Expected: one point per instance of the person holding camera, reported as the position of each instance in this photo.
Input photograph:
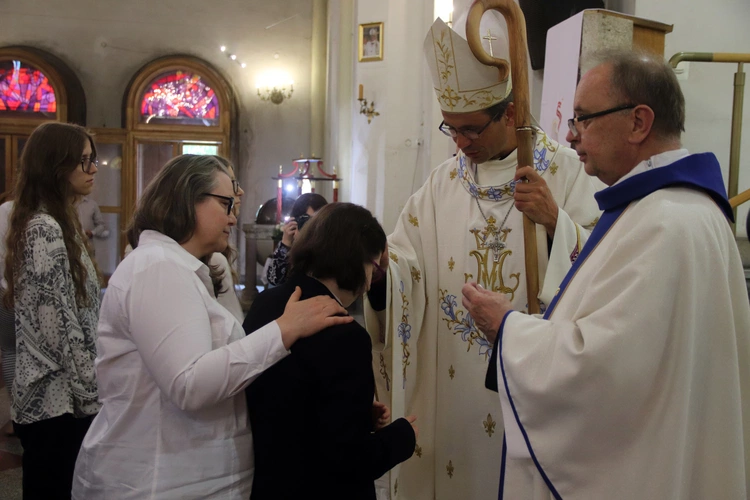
(304, 207)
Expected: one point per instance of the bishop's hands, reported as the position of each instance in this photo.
(487, 308)
(535, 200)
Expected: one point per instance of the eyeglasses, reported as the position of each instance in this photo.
(378, 273)
(472, 135)
(86, 164)
(578, 119)
(228, 199)
(235, 186)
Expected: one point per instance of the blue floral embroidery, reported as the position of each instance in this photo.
(498, 193)
(495, 194)
(463, 324)
(541, 163)
(404, 332)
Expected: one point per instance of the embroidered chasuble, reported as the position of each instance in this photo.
(430, 360)
(637, 384)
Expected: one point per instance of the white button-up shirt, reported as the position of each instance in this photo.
(172, 364)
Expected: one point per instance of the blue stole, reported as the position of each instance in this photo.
(701, 172)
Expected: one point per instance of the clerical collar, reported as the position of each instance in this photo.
(656, 161)
(495, 172)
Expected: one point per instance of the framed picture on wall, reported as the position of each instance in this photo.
(370, 42)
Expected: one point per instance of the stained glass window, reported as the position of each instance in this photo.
(181, 98)
(24, 89)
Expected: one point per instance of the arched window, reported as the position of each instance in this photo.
(181, 98)
(174, 105)
(35, 86)
(24, 90)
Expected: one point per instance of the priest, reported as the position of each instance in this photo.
(636, 384)
(465, 224)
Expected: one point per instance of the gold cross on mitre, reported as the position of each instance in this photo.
(489, 39)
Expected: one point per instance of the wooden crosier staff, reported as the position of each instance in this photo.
(524, 132)
(741, 198)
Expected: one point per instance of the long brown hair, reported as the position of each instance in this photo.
(51, 153)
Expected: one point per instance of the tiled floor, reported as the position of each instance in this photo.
(10, 454)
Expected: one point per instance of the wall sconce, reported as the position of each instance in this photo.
(363, 108)
(274, 86)
(444, 10)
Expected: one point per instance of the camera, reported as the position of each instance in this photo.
(301, 220)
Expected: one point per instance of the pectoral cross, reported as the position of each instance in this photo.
(489, 39)
(496, 246)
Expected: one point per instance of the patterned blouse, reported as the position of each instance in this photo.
(55, 338)
(276, 274)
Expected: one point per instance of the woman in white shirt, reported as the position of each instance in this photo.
(172, 361)
(53, 288)
(228, 297)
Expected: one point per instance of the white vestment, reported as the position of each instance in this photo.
(638, 385)
(372, 48)
(430, 359)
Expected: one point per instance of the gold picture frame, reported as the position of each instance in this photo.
(370, 42)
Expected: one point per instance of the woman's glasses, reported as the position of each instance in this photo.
(228, 199)
(87, 162)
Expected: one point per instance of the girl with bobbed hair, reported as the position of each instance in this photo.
(172, 361)
(53, 288)
(313, 412)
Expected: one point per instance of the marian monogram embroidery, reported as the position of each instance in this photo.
(490, 276)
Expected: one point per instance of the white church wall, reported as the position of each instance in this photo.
(388, 155)
(106, 42)
(718, 26)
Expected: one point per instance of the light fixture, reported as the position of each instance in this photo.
(364, 109)
(223, 48)
(274, 86)
(243, 65)
(444, 10)
(233, 57)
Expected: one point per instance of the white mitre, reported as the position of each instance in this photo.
(462, 83)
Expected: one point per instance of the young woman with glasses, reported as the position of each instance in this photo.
(53, 288)
(173, 363)
(312, 414)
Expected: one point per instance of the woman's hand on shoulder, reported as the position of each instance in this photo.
(307, 317)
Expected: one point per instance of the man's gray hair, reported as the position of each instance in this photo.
(641, 78)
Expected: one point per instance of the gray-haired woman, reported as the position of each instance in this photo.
(172, 361)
